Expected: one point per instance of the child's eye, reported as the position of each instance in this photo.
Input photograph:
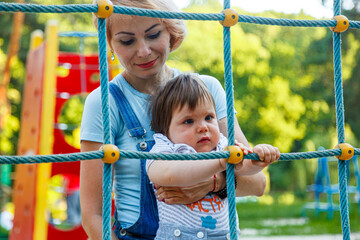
(208, 118)
(127, 43)
(188, 121)
(154, 36)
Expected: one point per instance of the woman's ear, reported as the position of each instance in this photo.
(110, 46)
(108, 38)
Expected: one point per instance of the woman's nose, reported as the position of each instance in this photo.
(143, 50)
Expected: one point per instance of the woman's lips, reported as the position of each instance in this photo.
(148, 64)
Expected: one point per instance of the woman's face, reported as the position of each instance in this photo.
(142, 44)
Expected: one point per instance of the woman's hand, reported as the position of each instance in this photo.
(243, 147)
(187, 195)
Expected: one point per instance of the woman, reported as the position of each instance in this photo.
(142, 45)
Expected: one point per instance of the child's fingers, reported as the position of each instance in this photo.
(273, 155)
(277, 153)
(260, 152)
(267, 153)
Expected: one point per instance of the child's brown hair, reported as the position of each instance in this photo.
(184, 89)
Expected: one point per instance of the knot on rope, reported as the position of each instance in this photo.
(105, 8)
(236, 154)
(231, 17)
(342, 24)
(347, 151)
(111, 153)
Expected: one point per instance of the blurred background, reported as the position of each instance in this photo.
(284, 96)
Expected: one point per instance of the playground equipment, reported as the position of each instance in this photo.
(323, 185)
(39, 121)
(104, 9)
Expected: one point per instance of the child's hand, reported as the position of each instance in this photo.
(267, 153)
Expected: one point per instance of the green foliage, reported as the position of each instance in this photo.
(12, 126)
(283, 79)
(71, 116)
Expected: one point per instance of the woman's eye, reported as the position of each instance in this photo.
(127, 43)
(154, 36)
(188, 121)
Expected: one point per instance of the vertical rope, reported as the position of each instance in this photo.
(104, 80)
(339, 104)
(230, 125)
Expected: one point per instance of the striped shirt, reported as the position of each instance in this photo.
(210, 213)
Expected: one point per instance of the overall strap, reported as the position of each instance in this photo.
(147, 224)
(131, 121)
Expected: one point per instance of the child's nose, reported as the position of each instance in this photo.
(203, 127)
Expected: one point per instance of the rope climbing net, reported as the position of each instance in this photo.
(228, 17)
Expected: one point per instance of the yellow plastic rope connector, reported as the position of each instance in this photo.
(236, 154)
(342, 24)
(347, 151)
(105, 8)
(111, 153)
(231, 17)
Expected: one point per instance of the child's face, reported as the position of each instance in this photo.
(197, 128)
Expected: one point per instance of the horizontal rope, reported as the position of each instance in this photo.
(78, 34)
(160, 156)
(168, 14)
(71, 157)
(37, 8)
(225, 154)
(91, 8)
(286, 22)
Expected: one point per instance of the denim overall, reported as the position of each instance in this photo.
(148, 221)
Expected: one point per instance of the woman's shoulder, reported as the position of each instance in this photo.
(207, 78)
(95, 95)
(210, 81)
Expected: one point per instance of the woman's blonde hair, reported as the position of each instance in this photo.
(175, 27)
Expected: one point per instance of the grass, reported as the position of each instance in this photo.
(3, 233)
(260, 219)
(284, 216)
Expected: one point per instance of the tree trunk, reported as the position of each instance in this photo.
(5, 110)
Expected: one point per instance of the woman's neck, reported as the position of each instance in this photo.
(151, 84)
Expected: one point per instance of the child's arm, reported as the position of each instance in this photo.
(184, 173)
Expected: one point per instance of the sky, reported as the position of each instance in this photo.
(311, 7)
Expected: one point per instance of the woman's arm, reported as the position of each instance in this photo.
(187, 195)
(91, 172)
(184, 173)
(251, 185)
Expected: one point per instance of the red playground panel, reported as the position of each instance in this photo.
(78, 74)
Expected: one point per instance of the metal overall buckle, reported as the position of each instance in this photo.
(142, 143)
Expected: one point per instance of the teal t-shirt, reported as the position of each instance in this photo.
(126, 184)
